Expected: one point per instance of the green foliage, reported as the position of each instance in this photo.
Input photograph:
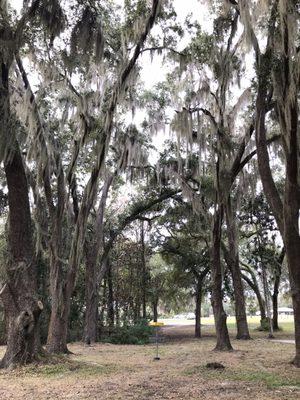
(138, 334)
(201, 48)
(263, 244)
(264, 325)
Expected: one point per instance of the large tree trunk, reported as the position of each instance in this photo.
(60, 308)
(292, 241)
(58, 326)
(293, 258)
(291, 205)
(223, 341)
(93, 277)
(90, 330)
(19, 294)
(286, 213)
(239, 296)
(60, 295)
(198, 296)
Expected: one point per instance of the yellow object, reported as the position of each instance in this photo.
(156, 324)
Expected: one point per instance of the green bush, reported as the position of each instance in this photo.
(264, 325)
(136, 334)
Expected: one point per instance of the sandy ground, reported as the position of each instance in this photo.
(257, 369)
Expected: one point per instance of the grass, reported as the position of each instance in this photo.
(286, 323)
(257, 369)
(269, 379)
(63, 367)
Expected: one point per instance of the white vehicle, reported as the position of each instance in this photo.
(190, 315)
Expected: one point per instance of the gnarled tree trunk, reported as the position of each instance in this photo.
(19, 294)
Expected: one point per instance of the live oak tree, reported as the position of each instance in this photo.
(185, 246)
(55, 66)
(207, 121)
(262, 257)
(58, 324)
(19, 293)
(277, 77)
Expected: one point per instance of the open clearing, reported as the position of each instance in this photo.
(257, 369)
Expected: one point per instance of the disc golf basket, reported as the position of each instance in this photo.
(157, 338)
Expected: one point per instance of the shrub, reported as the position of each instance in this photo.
(135, 334)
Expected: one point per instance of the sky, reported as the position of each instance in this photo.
(155, 72)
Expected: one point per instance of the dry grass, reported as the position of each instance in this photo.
(257, 369)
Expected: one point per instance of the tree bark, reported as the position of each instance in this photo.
(261, 304)
(239, 295)
(275, 303)
(90, 331)
(155, 310)
(198, 309)
(286, 213)
(19, 294)
(110, 298)
(276, 290)
(60, 293)
(144, 272)
(267, 299)
(93, 279)
(58, 326)
(292, 246)
(223, 341)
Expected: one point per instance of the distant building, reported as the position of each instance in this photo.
(285, 311)
(281, 311)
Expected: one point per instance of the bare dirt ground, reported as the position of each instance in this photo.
(258, 370)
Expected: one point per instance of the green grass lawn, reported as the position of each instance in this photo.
(285, 323)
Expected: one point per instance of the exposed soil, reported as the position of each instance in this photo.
(257, 369)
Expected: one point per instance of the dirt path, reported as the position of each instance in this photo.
(257, 370)
(285, 341)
